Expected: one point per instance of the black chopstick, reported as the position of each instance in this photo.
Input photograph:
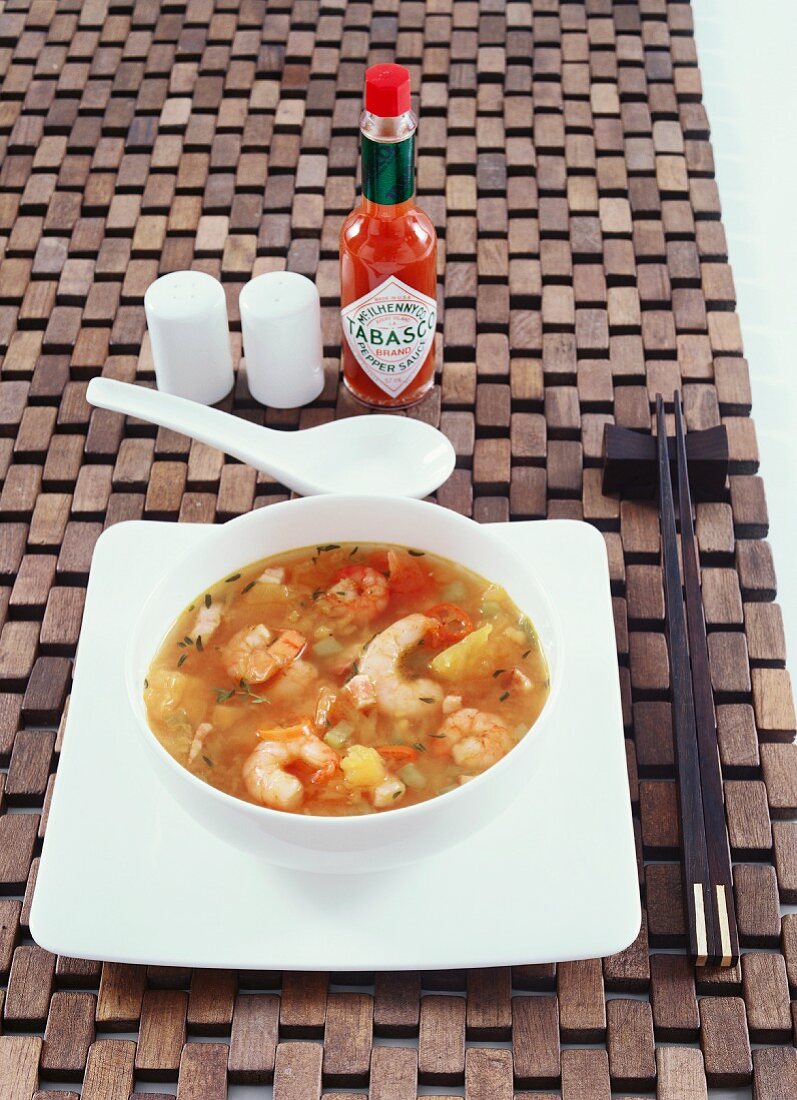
(725, 950)
(695, 869)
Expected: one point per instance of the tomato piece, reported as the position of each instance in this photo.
(407, 575)
(453, 623)
(397, 755)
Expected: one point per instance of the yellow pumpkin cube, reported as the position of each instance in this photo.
(363, 767)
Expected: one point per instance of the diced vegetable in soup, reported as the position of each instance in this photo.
(346, 679)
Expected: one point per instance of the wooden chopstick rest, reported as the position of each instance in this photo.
(630, 463)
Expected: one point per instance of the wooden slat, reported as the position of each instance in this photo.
(162, 1033)
(582, 1011)
(681, 1074)
(766, 995)
(394, 1073)
(632, 1060)
(19, 1065)
(441, 1041)
(397, 1003)
(29, 987)
(535, 1034)
(347, 1038)
(672, 997)
(488, 1074)
(210, 1002)
(68, 1035)
(585, 1075)
(774, 1073)
(120, 997)
(253, 1043)
(724, 1041)
(489, 1014)
(109, 1070)
(203, 1072)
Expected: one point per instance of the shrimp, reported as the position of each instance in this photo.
(207, 620)
(245, 656)
(515, 678)
(388, 792)
(396, 695)
(203, 731)
(323, 708)
(265, 774)
(296, 683)
(361, 691)
(275, 574)
(451, 703)
(475, 739)
(358, 593)
(251, 654)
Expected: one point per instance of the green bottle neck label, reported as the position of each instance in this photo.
(388, 170)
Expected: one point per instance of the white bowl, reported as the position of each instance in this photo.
(374, 841)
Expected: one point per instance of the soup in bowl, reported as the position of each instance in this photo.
(345, 683)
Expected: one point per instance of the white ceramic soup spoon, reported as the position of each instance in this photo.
(388, 455)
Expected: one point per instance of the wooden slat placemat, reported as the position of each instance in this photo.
(564, 156)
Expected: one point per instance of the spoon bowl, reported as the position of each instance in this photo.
(388, 455)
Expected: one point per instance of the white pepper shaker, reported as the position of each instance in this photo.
(281, 325)
(190, 336)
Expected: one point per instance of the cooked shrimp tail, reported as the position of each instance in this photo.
(358, 593)
(265, 771)
(398, 696)
(475, 739)
(253, 656)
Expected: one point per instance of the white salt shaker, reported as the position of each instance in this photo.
(190, 337)
(281, 325)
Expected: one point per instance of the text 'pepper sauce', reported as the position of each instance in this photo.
(388, 261)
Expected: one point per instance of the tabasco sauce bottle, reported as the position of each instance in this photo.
(388, 257)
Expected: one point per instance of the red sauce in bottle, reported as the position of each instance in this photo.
(388, 257)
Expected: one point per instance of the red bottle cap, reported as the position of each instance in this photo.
(387, 90)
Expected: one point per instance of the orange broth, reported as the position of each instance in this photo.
(325, 610)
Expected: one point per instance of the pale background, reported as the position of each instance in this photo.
(745, 52)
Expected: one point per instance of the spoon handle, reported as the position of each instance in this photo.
(231, 434)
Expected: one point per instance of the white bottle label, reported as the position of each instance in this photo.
(390, 331)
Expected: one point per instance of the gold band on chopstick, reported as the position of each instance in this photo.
(701, 931)
(725, 931)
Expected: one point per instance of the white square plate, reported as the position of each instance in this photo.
(127, 875)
